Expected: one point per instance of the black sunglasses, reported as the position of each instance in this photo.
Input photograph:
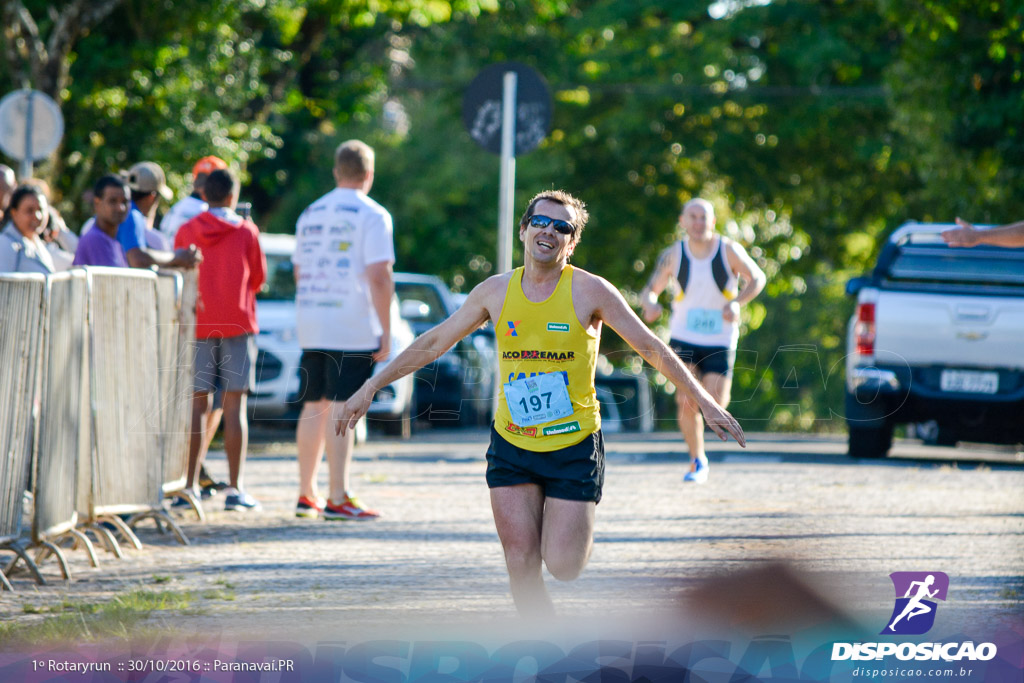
(539, 221)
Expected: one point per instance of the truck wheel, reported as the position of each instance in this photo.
(870, 442)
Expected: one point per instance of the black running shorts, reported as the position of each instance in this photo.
(333, 375)
(717, 359)
(572, 473)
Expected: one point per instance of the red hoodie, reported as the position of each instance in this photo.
(232, 271)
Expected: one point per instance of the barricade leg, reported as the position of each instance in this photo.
(123, 529)
(5, 583)
(82, 539)
(193, 502)
(20, 554)
(106, 538)
(161, 517)
(46, 548)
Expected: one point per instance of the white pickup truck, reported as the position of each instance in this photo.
(937, 338)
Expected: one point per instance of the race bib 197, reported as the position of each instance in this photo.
(704, 320)
(538, 399)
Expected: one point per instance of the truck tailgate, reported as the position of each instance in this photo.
(968, 331)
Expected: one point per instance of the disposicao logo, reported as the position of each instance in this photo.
(916, 593)
(912, 615)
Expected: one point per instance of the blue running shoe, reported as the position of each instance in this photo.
(699, 473)
(240, 500)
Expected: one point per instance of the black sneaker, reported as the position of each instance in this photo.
(208, 487)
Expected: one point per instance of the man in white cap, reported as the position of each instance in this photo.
(194, 204)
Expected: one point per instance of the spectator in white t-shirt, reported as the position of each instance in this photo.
(344, 285)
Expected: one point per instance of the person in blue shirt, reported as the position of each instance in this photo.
(147, 184)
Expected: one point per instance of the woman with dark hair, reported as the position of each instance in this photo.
(21, 248)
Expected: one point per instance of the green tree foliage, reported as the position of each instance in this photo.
(814, 127)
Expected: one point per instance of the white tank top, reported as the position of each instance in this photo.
(697, 309)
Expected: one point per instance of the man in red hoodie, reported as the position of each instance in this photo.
(233, 271)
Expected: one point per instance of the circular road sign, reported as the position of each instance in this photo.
(481, 107)
(31, 125)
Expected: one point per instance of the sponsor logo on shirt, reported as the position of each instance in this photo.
(342, 208)
(340, 246)
(565, 428)
(343, 263)
(521, 431)
(511, 331)
(323, 263)
(534, 354)
(342, 229)
(558, 327)
(310, 230)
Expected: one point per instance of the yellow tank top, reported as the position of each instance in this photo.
(546, 337)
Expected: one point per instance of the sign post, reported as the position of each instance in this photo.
(507, 111)
(31, 127)
(507, 193)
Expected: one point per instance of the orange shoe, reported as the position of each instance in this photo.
(351, 508)
(309, 508)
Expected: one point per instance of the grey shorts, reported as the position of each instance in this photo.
(228, 363)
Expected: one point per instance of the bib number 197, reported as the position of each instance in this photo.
(539, 399)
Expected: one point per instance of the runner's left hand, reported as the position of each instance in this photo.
(721, 422)
(348, 413)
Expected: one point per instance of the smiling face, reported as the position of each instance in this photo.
(28, 214)
(547, 245)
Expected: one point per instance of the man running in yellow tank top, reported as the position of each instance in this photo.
(545, 464)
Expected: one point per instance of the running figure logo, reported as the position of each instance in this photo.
(914, 612)
(511, 331)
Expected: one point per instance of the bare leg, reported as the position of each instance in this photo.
(719, 386)
(309, 437)
(518, 516)
(197, 440)
(236, 435)
(339, 457)
(212, 425)
(691, 422)
(567, 536)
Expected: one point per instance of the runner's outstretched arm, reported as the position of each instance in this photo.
(610, 307)
(425, 349)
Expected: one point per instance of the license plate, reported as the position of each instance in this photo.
(969, 382)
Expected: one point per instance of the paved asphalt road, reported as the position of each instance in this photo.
(841, 526)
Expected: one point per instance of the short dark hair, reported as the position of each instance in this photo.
(220, 186)
(19, 195)
(199, 182)
(565, 199)
(107, 181)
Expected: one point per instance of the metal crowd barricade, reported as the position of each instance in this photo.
(21, 308)
(127, 466)
(175, 332)
(64, 430)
